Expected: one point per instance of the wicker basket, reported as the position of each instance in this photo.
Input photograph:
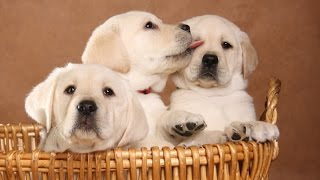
(245, 160)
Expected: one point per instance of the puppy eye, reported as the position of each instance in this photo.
(70, 90)
(150, 25)
(226, 45)
(108, 92)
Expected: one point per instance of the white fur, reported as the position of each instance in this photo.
(217, 108)
(222, 101)
(118, 121)
(145, 57)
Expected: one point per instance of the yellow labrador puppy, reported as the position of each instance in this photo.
(214, 85)
(86, 108)
(145, 51)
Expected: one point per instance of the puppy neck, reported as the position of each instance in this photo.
(139, 81)
(237, 83)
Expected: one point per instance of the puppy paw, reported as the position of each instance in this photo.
(253, 130)
(238, 131)
(262, 132)
(188, 126)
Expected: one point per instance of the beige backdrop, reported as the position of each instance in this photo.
(36, 36)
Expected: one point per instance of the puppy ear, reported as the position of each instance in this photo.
(39, 102)
(105, 47)
(137, 125)
(249, 55)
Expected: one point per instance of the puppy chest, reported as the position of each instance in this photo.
(214, 114)
(153, 108)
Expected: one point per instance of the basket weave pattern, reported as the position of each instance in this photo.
(19, 158)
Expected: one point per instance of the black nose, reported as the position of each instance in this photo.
(87, 107)
(209, 60)
(185, 27)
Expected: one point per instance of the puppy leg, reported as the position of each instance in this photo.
(205, 137)
(179, 125)
(253, 130)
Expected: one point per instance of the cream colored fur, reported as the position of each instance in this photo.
(145, 57)
(222, 101)
(119, 119)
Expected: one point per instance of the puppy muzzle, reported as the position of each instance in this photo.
(209, 66)
(86, 116)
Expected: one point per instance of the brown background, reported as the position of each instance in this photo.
(36, 36)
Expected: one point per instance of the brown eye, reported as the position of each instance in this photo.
(70, 90)
(150, 25)
(108, 92)
(226, 45)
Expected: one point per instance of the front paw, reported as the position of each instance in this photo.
(253, 130)
(238, 131)
(262, 132)
(189, 125)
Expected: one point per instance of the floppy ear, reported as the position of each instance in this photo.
(249, 55)
(137, 125)
(39, 102)
(105, 47)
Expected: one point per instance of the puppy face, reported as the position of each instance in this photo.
(89, 105)
(226, 51)
(84, 104)
(139, 41)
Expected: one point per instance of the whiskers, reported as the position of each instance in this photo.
(194, 71)
(211, 74)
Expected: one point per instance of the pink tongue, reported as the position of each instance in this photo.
(196, 44)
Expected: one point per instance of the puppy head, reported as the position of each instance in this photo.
(226, 52)
(89, 105)
(139, 41)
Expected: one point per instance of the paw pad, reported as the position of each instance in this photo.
(179, 127)
(191, 125)
(189, 128)
(236, 137)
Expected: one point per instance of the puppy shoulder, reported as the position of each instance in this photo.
(183, 99)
